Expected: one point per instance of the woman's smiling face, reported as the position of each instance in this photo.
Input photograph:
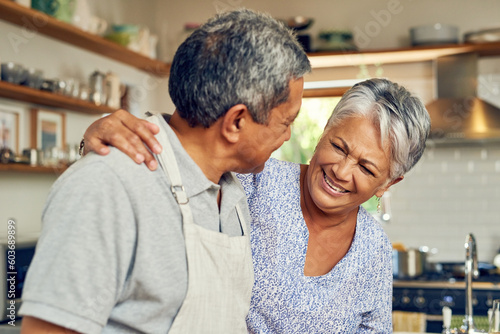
(350, 165)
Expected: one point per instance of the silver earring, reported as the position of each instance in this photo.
(378, 204)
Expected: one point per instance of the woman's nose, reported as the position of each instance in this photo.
(342, 169)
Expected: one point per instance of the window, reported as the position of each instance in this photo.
(307, 129)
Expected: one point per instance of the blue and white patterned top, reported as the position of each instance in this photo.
(354, 297)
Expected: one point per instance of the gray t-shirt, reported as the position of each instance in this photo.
(111, 256)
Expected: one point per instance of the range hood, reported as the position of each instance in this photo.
(458, 114)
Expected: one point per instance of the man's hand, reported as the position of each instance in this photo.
(127, 133)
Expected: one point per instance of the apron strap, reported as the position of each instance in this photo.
(168, 163)
(241, 218)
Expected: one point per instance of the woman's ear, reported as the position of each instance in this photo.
(382, 190)
(233, 122)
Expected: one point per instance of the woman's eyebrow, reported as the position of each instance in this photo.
(363, 161)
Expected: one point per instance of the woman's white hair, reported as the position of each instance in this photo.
(401, 117)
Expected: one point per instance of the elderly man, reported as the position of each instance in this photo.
(124, 249)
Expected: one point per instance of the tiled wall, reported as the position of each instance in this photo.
(452, 191)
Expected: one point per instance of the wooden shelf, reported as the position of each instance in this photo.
(26, 94)
(405, 55)
(23, 168)
(37, 22)
(325, 92)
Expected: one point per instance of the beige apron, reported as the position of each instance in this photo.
(220, 272)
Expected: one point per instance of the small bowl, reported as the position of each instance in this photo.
(13, 73)
(123, 34)
(434, 34)
(122, 38)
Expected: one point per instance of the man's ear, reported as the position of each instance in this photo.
(233, 122)
(381, 191)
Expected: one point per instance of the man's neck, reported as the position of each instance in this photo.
(201, 145)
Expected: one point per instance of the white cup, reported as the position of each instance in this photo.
(25, 3)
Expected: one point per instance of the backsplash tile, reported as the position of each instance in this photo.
(452, 191)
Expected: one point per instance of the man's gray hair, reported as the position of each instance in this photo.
(401, 117)
(236, 57)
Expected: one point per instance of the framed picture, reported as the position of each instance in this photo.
(48, 129)
(9, 128)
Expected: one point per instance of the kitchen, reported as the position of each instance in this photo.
(450, 193)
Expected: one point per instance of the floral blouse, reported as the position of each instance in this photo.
(354, 297)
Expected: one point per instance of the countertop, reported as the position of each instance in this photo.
(445, 285)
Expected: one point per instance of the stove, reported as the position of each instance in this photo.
(430, 293)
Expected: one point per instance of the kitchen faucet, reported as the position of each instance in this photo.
(471, 271)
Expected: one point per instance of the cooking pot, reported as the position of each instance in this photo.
(409, 263)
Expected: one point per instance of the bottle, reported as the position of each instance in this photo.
(112, 90)
(446, 320)
(97, 93)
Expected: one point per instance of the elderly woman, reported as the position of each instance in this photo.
(322, 263)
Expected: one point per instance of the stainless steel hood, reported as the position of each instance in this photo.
(458, 114)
